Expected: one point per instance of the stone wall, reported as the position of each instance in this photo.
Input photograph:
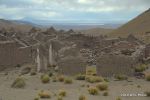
(12, 55)
(72, 66)
(109, 65)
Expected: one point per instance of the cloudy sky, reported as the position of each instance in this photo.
(83, 11)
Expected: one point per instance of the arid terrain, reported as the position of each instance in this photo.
(40, 63)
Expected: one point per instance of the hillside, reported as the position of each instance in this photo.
(17, 25)
(138, 26)
(96, 31)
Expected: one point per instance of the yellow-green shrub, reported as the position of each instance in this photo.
(68, 80)
(45, 78)
(93, 90)
(102, 86)
(94, 79)
(80, 77)
(82, 97)
(18, 83)
(44, 94)
(62, 93)
(148, 77)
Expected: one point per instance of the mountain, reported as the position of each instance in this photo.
(96, 31)
(138, 26)
(22, 26)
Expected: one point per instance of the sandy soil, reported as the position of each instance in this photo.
(34, 85)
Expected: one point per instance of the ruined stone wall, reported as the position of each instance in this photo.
(12, 55)
(72, 66)
(109, 65)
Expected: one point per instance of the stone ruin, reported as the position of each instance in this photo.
(71, 52)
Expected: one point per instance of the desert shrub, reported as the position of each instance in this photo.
(102, 86)
(147, 93)
(94, 79)
(91, 71)
(106, 80)
(44, 94)
(140, 68)
(50, 74)
(61, 78)
(105, 93)
(45, 78)
(18, 83)
(82, 97)
(93, 90)
(36, 98)
(68, 80)
(59, 98)
(148, 77)
(80, 77)
(118, 98)
(121, 77)
(62, 93)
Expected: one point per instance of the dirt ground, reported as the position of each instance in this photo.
(74, 90)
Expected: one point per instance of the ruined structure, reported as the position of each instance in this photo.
(71, 52)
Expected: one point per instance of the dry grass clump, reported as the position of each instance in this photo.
(118, 98)
(80, 77)
(62, 93)
(147, 93)
(94, 79)
(44, 94)
(59, 98)
(36, 98)
(61, 78)
(18, 83)
(105, 93)
(93, 90)
(141, 68)
(121, 77)
(148, 77)
(45, 78)
(68, 80)
(82, 97)
(102, 86)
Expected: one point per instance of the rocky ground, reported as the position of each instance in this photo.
(74, 90)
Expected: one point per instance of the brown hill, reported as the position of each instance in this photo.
(138, 26)
(96, 31)
(16, 25)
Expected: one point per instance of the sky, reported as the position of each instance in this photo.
(73, 11)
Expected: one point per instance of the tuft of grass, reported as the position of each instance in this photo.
(94, 79)
(62, 93)
(105, 93)
(18, 83)
(44, 94)
(45, 78)
(91, 70)
(36, 98)
(68, 80)
(80, 77)
(82, 97)
(141, 68)
(61, 78)
(118, 98)
(148, 77)
(93, 90)
(147, 93)
(102, 86)
(59, 98)
(121, 77)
